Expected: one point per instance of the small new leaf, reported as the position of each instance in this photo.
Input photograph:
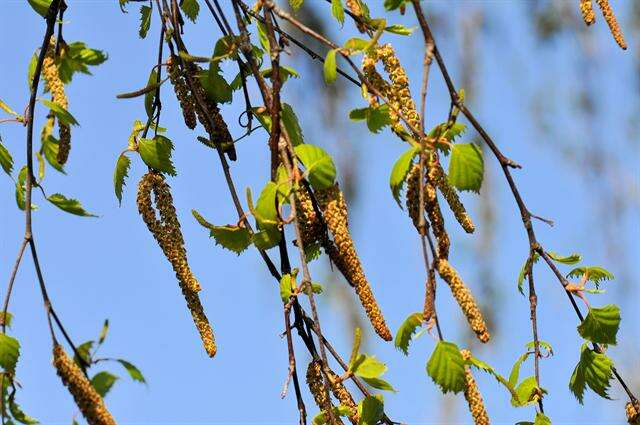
(366, 366)
(527, 392)
(379, 384)
(120, 174)
(133, 371)
(40, 6)
(291, 124)
(287, 285)
(70, 205)
(330, 66)
(601, 325)
(9, 352)
(594, 273)
(370, 410)
(318, 164)
(231, 237)
(523, 270)
(446, 367)
(61, 114)
(18, 414)
(406, 331)
(564, 259)
(337, 10)
(399, 172)
(102, 382)
(594, 370)
(145, 20)
(190, 8)
(156, 153)
(542, 419)
(466, 167)
(150, 95)
(6, 160)
(322, 418)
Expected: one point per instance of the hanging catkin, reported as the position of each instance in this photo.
(435, 217)
(429, 296)
(311, 228)
(87, 399)
(473, 396)
(438, 176)
(588, 15)
(355, 8)
(341, 393)
(332, 204)
(315, 382)
(375, 79)
(186, 100)
(167, 233)
(413, 195)
(465, 299)
(632, 410)
(610, 17)
(56, 87)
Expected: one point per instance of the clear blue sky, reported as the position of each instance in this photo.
(110, 267)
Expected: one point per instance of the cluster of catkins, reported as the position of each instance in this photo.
(56, 87)
(315, 381)
(188, 87)
(166, 231)
(472, 394)
(87, 399)
(589, 17)
(341, 250)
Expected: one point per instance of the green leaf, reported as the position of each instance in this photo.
(543, 344)
(594, 370)
(379, 383)
(523, 270)
(233, 238)
(318, 164)
(267, 238)
(370, 410)
(564, 259)
(31, 69)
(6, 161)
(7, 109)
(330, 66)
(366, 366)
(394, 4)
(601, 325)
(215, 86)
(262, 36)
(322, 418)
(542, 419)
(20, 188)
(446, 367)
(287, 285)
(134, 372)
(8, 319)
(355, 349)
(296, 4)
(70, 205)
(406, 331)
(61, 114)
(190, 8)
(18, 414)
(399, 172)
(9, 352)
(286, 72)
(466, 167)
(156, 153)
(265, 211)
(103, 331)
(84, 351)
(291, 124)
(594, 273)
(150, 95)
(514, 376)
(337, 10)
(399, 29)
(145, 20)
(487, 368)
(526, 392)
(50, 147)
(40, 6)
(102, 382)
(356, 44)
(120, 174)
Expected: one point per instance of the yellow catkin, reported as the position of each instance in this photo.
(87, 399)
(588, 15)
(429, 296)
(400, 85)
(334, 208)
(315, 381)
(450, 194)
(413, 195)
(382, 86)
(186, 100)
(167, 233)
(355, 8)
(610, 17)
(341, 393)
(311, 228)
(435, 216)
(56, 87)
(465, 299)
(632, 410)
(473, 396)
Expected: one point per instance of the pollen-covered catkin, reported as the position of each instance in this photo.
(311, 228)
(187, 103)
(610, 17)
(87, 399)
(435, 217)
(437, 175)
(429, 296)
(315, 381)
(465, 299)
(632, 410)
(58, 96)
(167, 233)
(413, 195)
(473, 396)
(375, 79)
(334, 208)
(588, 15)
(355, 8)
(341, 393)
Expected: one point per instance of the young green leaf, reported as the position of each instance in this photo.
(366, 366)
(529, 262)
(594, 370)
(446, 367)
(514, 376)
(399, 172)
(399, 29)
(262, 36)
(356, 44)
(337, 10)
(601, 325)
(8, 318)
(466, 167)
(390, 5)
(322, 418)
(330, 66)
(103, 331)
(103, 381)
(156, 153)
(485, 367)
(370, 410)
(133, 371)
(286, 72)
(296, 4)
(150, 95)
(287, 285)
(527, 392)
(291, 124)
(318, 164)
(215, 86)
(267, 238)
(70, 205)
(83, 351)
(564, 259)
(233, 238)
(120, 174)
(542, 419)
(7, 109)
(190, 8)
(265, 211)
(406, 331)
(40, 6)
(61, 114)
(355, 349)
(6, 160)
(594, 273)
(379, 384)
(18, 414)
(201, 220)
(50, 147)
(145, 20)
(9, 352)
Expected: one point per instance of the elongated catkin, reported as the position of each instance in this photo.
(315, 381)
(588, 15)
(473, 396)
(334, 208)
(59, 97)
(438, 176)
(341, 393)
(465, 299)
(185, 98)
(87, 399)
(610, 17)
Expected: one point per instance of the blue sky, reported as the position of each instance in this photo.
(110, 267)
